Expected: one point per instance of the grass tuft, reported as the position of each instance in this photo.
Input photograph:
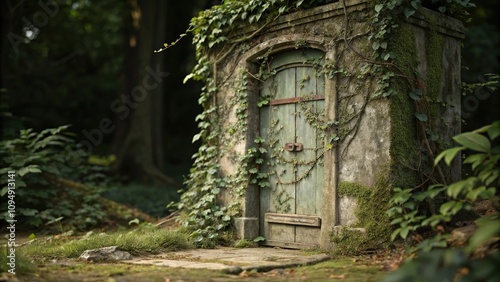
(137, 242)
(22, 265)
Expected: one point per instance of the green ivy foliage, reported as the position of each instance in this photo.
(37, 158)
(385, 20)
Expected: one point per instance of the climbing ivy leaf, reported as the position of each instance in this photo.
(259, 239)
(416, 94)
(421, 117)
(408, 12)
(415, 4)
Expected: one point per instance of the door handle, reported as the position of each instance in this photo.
(293, 147)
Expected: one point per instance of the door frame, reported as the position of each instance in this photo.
(247, 226)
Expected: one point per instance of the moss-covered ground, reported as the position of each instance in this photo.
(342, 269)
(56, 260)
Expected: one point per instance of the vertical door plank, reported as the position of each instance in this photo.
(283, 195)
(306, 134)
(320, 143)
(264, 133)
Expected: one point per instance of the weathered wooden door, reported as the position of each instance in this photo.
(290, 125)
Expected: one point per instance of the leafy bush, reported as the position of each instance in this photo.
(460, 196)
(39, 161)
(448, 265)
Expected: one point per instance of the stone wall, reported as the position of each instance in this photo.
(370, 127)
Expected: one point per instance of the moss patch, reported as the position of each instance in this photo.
(404, 148)
(372, 202)
(342, 269)
(243, 243)
(352, 189)
(75, 271)
(434, 78)
(404, 131)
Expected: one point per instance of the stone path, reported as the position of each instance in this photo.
(233, 260)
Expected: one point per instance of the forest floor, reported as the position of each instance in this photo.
(359, 268)
(372, 267)
(54, 258)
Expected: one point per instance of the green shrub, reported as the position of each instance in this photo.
(35, 162)
(483, 183)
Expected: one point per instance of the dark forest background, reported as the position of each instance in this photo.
(76, 62)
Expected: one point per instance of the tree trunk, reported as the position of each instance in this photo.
(139, 141)
(159, 38)
(140, 156)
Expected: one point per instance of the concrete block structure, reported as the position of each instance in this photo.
(303, 97)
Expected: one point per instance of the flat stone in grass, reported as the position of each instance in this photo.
(105, 254)
(233, 260)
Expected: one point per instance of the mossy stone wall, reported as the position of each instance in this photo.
(378, 135)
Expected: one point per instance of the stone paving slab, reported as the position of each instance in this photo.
(233, 260)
